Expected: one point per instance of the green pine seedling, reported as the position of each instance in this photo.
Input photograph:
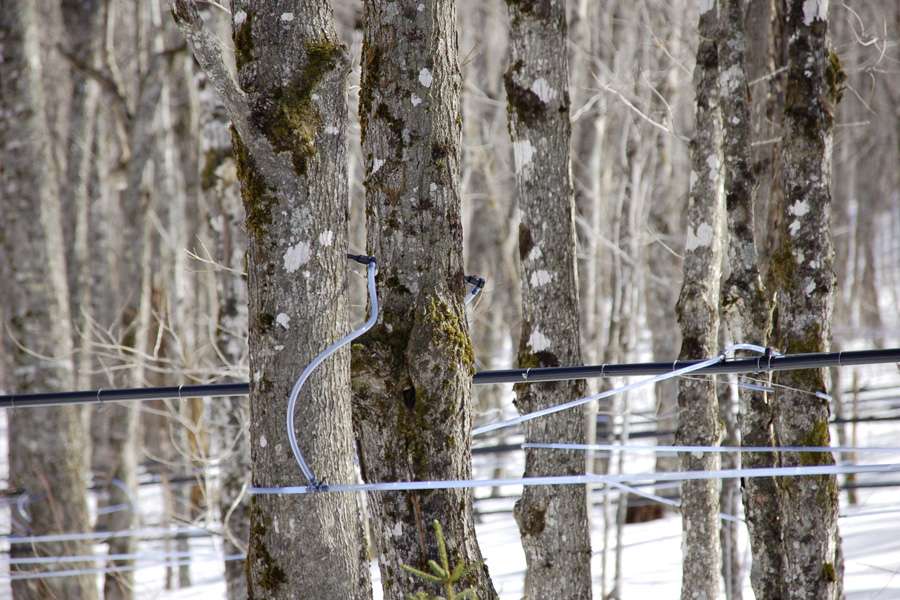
(442, 574)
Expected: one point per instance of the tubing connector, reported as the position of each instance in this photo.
(362, 259)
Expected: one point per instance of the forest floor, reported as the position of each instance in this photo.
(651, 551)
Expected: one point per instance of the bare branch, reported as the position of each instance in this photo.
(209, 54)
(103, 78)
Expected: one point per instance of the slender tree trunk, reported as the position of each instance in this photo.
(552, 520)
(290, 125)
(412, 373)
(747, 309)
(48, 457)
(802, 268)
(698, 315)
(83, 23)
(229, 418)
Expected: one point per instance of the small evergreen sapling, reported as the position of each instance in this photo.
(442, 574)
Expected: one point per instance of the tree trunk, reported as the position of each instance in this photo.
(552, 520)
(290, 143)
(48, 457)
(746, 308)
(412, 372)
(698, 316)
(802, 266)
(229, 418)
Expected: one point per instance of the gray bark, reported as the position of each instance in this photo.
(747, 309)
(47, 455)
(552, 521)
(229, 418)
(412, 372)
(698, 316)
(290, 123)
(802, 266)
(83, 24)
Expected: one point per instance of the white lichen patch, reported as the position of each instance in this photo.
(283, 320)
(794, 227)
(326, 238)
(543, 90)
(538, 341)
(239, 18)
(815, 9)
(799, 209)
(296, 256)
(376, 165)
(287, 17)
(415, 100)
(523, 152)
(712, 163)
(398, 530)
(263, 442)
(540, 278)
(535, 254)
(701, 237)
(425, 78)
(332, 130)
(810, 287)
(420, 7)
(731, 78)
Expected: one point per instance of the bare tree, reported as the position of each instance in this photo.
(802, 269)
(746, 307)
(698, 315)
(552, 521)
(229, 418)
(290, 119)
(412, 372)
(47, 454)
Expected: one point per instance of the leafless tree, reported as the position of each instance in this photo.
(552, 521)
(802, 269)
(698, 315)
(48, 460)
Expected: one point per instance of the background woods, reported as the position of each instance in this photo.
(636, 180)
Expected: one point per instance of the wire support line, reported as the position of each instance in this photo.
(619, 390)
(589, 478)
(104, 570)
(99, 536)
(717, 449)
(788, 362)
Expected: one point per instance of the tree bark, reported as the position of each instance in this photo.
(698, 316)
(412, 372)
(746, 308)
(290, 122)
(229, 418)
(802, 267)
(47, 456)
(552, 521)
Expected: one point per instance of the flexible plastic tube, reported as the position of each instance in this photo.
(372, 268)
(102, 571)
(398, 486)
(666, 501)
(142, 556)
(101, 535)
(721, 449)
